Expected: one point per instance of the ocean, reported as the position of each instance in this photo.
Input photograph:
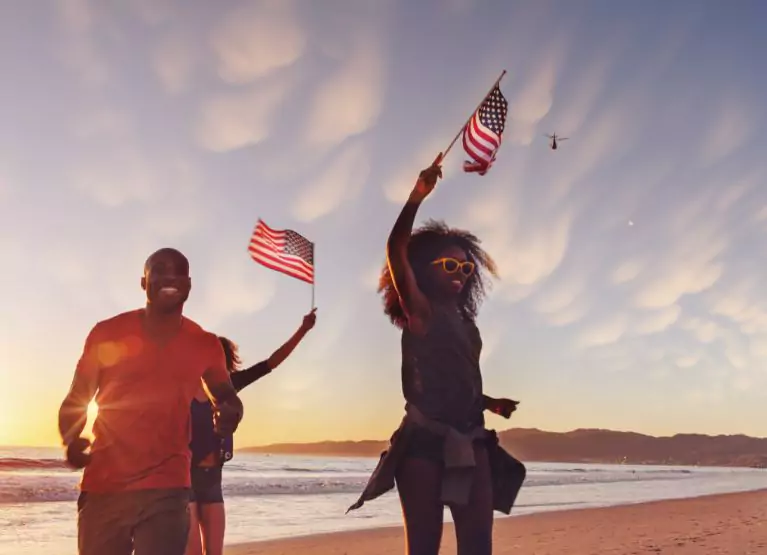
(278, 496)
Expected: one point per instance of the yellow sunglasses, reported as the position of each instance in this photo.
(451, 266)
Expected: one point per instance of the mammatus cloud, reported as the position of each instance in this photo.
(339, 183)
(690, 264)
(658, 321)
(398, 185)
(155, 12)
(349, 101)
(727, 132)
(123, 174)
(173, 62)
(235, 120)
(531, 255)
(703, 330)
(530, 105)
(563, 299)
(235, 286)
(626, 272)
(103, 123)
(256, 38)
(605, 332)
(79, 51)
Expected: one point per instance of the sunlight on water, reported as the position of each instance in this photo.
(266, 493)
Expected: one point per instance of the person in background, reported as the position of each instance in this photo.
(442, 455)
(144, 368)
(211, 450)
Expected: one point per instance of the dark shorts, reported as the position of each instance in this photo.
(142, 522)
(206, 485)
(423, 444)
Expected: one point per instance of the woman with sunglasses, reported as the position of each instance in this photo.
(210, 451)
(441, 454)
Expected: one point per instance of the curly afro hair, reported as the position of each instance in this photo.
(425, 245)
(231, 351)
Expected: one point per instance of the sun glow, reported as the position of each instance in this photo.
(93, 411)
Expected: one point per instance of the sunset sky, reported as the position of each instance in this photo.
(632, 292)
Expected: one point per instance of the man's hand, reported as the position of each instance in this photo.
(77, 456)
(502, 407)
(309, 320)
(226, 418)
(427, 180)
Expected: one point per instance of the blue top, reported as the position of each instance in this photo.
(204, 438)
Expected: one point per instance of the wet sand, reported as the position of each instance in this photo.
(731, 524)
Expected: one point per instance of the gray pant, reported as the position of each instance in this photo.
(144, 522)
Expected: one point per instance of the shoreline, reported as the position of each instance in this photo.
(351, 455)
(718, 523)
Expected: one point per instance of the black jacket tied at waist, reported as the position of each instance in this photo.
(508, 474)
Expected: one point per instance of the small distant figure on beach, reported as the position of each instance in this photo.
(210, 450)
(144, 368)
(553, 140)
(442, 454)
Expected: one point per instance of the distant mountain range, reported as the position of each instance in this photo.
(584, 446)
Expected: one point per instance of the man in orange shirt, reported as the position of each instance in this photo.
(144, 367)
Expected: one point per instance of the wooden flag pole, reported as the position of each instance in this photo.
(444, 154)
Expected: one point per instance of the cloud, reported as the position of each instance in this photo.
(369, 278)
(398, 185)
(533, 254)
(340, 183)
(173, 62)
(627, 271)
(257, 38)
(571, 314)
(79, 51)
(728, 131)
(120, 175)
(103, 123)
(563, 303)
(658, 321)
(691, 262)
(687, 361)
(233, 121)
(704, 330)
(534, 101)
(235, 287)
(349, 102)
(676, 282)
(608, 331)
(583, 96)
(562, 299)
(154, 12)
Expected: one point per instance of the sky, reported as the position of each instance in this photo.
(631, 292)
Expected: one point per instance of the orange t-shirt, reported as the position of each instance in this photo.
(145, 390)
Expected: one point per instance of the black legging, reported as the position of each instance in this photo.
(419, 483)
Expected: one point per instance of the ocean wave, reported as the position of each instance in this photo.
(31, 464)
(39, 488)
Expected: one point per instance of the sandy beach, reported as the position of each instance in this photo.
(723, 524)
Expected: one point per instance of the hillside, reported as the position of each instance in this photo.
(586, 446)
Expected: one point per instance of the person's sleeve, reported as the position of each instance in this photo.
(244, 378)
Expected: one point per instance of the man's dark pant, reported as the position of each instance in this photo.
(144, 522)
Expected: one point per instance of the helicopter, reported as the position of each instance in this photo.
(554, 140)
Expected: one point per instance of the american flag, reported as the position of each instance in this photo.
(283, 250)
(482, 135)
